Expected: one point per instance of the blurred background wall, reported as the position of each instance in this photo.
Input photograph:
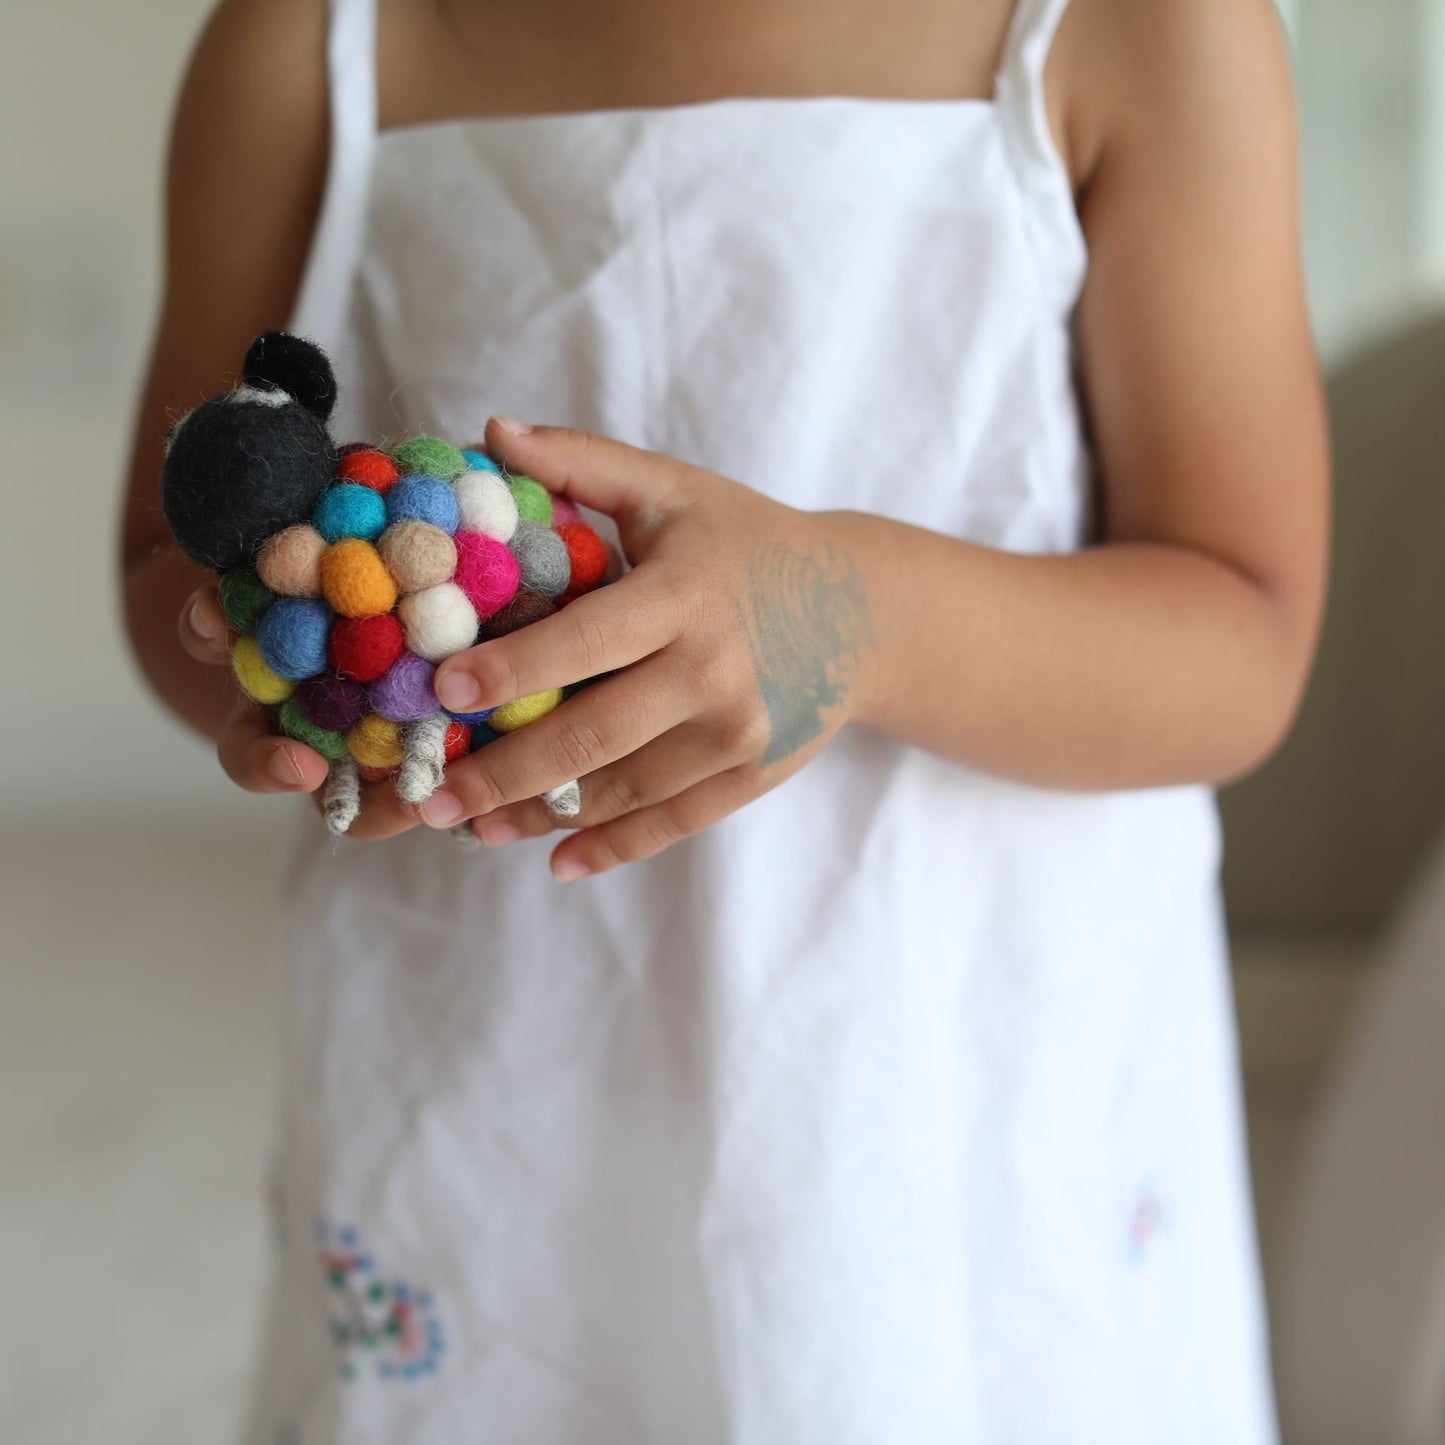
(140, 997)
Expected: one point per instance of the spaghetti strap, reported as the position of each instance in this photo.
(321, 302)
(1041, 172)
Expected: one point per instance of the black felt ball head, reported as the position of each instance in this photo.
(246, 464)
(297, 366)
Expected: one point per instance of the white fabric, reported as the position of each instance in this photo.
(899, 1109)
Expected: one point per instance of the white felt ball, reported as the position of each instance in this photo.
(486, 504)
(438, 621)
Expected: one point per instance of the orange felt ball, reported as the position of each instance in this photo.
(457, 742)
(588, 554)
(368, 468)
(354, 579)
(289, 561)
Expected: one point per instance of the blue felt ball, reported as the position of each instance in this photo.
(423, 499)
(470, 718)
(483, 734)
(292, 637)
(479, 461)
(350, 510)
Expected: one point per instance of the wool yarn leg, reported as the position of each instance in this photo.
(564, 801)
(423, 758)
(465, 839)
(341, 801)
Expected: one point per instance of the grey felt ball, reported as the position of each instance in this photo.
(542, 555)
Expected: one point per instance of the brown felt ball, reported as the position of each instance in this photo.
(289, 562)
(525, 608)
(417, 555)
(354, 579)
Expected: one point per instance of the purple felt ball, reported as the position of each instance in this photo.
(404, 692)
(332, 702)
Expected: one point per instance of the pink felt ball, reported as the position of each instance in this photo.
(564, 509)
(486, 571)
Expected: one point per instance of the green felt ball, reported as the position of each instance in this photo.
(430, 456)
(244, 597)
(295, 724)
(534, 501)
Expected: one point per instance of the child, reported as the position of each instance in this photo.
(947, 370)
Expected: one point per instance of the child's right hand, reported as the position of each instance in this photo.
(251, 753)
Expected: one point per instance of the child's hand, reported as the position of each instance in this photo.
(251, 753)
(741, 629)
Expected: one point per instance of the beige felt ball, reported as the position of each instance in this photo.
(417, 555)
(289, 562)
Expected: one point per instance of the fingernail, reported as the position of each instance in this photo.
(441, 810)
(512, 425)
(285, 769)
(458, 690)
(202, 623)
(570, 869)
(495, 834)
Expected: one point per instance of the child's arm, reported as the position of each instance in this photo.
(246, 167)
(1174, 651)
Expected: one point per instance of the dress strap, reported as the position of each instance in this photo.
(1043, 177)
(321, 303)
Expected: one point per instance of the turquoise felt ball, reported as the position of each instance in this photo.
(350, 510)
(479, 461)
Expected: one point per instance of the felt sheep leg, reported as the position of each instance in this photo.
(564, 801)
(466, 840)
(423, 758)
(341, 801)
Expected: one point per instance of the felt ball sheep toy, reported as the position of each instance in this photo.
(348, 573)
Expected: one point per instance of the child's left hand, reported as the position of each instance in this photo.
(737, 640)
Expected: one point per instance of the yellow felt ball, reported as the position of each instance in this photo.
(354, 579)
(375, 742)
(256, 679)
(517, 714)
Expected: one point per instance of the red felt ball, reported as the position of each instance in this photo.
(369, 774)
(369, 468)
(362, 648)
(457, 741)
(588, 553)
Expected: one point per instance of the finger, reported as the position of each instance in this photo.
(599, 472)
(255, 759)
(588, 731)
(648, 831)
(203, 630)
(599, 632)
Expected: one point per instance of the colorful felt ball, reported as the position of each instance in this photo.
(369, 774)
(438, 621)
(524, 609)
(482, 734)
(471, 719)
(431, 455)
(350, 510)
(244, 597)
(368, 467)
(542, 556)
(486, 571)
(588, 554)
(292, 635)
(423, 498)
(523, 710)
(363, 648)
(331, 701)
(564, 509)
(404, 691)
(477, 459)
(534, 501)
(375, 742)
(417, 555)
(486, 505)
(256, 678)
(355, 579)
(289, 561)
(457, 741)
(295, 724)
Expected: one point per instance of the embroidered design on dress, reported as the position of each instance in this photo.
(387, 1326)
(1148, 1221)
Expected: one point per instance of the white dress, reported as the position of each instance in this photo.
(899, 1109)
